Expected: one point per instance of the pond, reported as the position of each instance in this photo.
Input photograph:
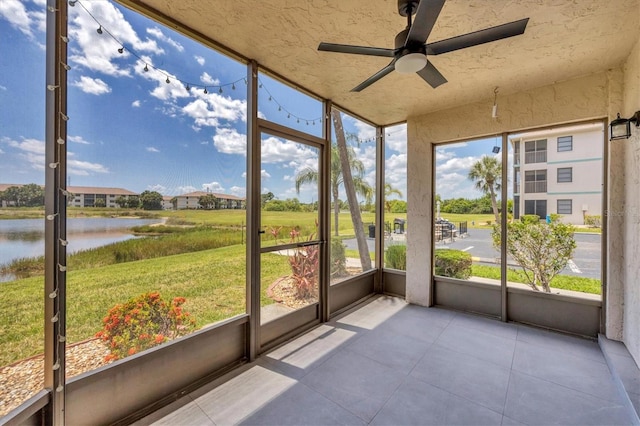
(25, 237)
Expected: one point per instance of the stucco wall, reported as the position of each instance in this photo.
(568, 101)
(631, 218)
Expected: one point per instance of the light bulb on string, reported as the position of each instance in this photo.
(279, 108)
(99, 30)
(288, 115)
(72, 3)
(260, 86)
(220, 89)
(205, 91)
(270, 98)
(66, 66)
(167, 80)
(233, 86)
(188, 87)
(64, 39)
(121, 50)
(146, 68)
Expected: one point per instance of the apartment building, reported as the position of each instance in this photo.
(223, 201)
(559, 171)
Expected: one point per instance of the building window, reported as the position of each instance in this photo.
(537, 207)
(565, 143)
(565, 174)
(535, 151)
(535, 181)
(565, 207)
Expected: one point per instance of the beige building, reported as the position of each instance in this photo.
(559, 171)
(86, 196)
(190, 201)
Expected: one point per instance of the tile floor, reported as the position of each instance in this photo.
(390, 363)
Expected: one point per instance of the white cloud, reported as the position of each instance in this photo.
(93, 86)
(229, 141)
(1, 151)
(33, 152)
(213, 187)
(84, 168)
(136, 103)
(158, 188)
(291, 154)
(33, 146)
(186, 189)
(456, 164)
(2, 87)
(264, 174)
(16, 13)
(157, 33)
(78, 139)
(152, 149)
(240, 191)
(209, 109)
(206, 79)
(199, 59)
(396, 138)
(99, 52)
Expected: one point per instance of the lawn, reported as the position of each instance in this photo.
(212, 281)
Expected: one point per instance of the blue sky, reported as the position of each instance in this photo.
(129, 128)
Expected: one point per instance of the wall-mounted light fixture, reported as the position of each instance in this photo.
(620, 128)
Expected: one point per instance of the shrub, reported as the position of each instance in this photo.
(338, 258)
(541, 249)
(396, 257)
(143, 322)
(530, 218)
(453, 263)
(592, 221)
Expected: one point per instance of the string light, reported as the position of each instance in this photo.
(66, 66)
(60, 141)
(51, 87)
(64, 116)
(188, 85)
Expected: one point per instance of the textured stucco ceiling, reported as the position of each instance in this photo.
(564, 39)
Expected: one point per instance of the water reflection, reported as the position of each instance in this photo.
(21, 238)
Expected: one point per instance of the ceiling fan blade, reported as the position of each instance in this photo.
(426, 16)
(377, 76)
(431, 75)
(478, 37)
(356, 50)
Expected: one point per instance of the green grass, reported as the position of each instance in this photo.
(212, 281)
(175, 241)
(563, 282)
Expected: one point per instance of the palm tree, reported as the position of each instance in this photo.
(487, 174)
(309, 175)
(388, 192)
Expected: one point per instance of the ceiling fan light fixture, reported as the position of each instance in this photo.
(410, 63)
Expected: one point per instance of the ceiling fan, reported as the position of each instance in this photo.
(411, 51)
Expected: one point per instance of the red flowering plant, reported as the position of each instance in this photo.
(143, 322)
(304, 266)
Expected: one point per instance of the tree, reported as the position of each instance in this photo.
(174, 203)
(389, 190)
(309, 175)
(100, 202)
(487, 174)
(265, 198)
(29, 195)
(133, 201)
(208, 201)
(151, 200)
(122, 201)
(541, 249)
